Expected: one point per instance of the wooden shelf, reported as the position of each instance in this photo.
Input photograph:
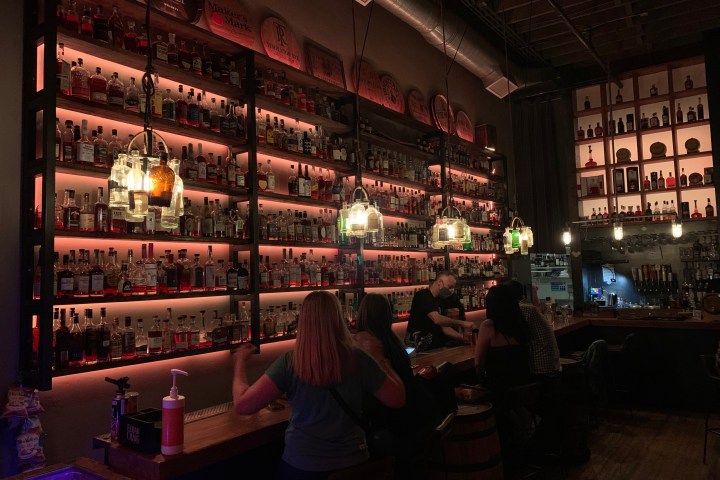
(651, 100)
(588, 112)
(402, 182)
(300, 77)
(620, 136)
(648, 131)
(265, 291)
(477, 252)
(476, 149)
(134, 118)
(407, 216)
(405, 119)
(656, 160)
(475, 198)
(397, 285)
(475, 172)
(293, 244)
(369, 248)
(698, 123)
(597, 169)
(242, 295)
(158, 237)
(588, 141)
(690, 156)
(693, 92)
(697, 187)
(103, 172)
(272, 106)
(489, 226)
(593, 197)
(378, 139)
(302, 201)
(271, 152)
(139, 62)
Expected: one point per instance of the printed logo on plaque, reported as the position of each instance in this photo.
(325, 65)
(465, 127)
(228, 19)
(279, 42)
(185, 10)
(440, 109)
(370, 86)
(418, 107)
(392, 97)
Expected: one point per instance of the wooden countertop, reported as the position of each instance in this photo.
(655, 323)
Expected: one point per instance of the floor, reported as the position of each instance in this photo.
(649, 445)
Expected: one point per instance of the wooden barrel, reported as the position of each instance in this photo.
(472, 449)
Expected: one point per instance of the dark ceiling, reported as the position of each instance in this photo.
(617, 30)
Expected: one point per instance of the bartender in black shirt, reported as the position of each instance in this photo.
(425, 314)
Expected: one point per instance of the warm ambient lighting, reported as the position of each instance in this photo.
(618, 231)
(566, 237)
(450, 230)
(518, 238)
(676, 228)
(361, 218)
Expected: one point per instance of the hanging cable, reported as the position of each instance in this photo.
(358, 64)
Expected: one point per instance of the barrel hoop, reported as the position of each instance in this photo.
(468, 467)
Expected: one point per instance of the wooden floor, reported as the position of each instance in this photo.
(650, 445)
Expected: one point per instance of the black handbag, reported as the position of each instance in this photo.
(380, 441)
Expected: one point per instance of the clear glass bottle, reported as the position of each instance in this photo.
(129, 346)
(155, 337)
(132, 97)
(99, 87)
(141, 340)
(116, 341)
(80, 81)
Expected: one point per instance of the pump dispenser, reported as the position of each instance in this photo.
(173, 417)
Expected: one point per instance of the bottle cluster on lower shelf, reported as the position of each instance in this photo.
(279, 320)
(389, 163)
(90, 342)
(401, 269)
(653, 213)
(477, 212)
(399, 199)
(472, 297)
(470, 185)
(305, 271)
(472, 267)
(77, 277)
(297, 227)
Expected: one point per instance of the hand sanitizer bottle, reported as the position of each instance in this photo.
(173, 418)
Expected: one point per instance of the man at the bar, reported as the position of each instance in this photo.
(426, 319)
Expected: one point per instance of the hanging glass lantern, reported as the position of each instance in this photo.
(450, 230)
(518, 238)
(361, 218)
(676, 228)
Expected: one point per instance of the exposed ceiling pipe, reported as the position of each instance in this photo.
(475, 53)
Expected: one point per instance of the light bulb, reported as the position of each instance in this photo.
(618, 231)
(676, 229)
(566, 237)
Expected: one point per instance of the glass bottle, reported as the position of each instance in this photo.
(683, 178)
(141, 340)
(184, 57)
(679, 114)
(688, 83)
(700, 110)
(653, 90)
(172, 51)
(128, 342)
(193, 109)
(590, 162)
(709, 210)
(670, 181)
(80, 81)
(168, 106)
(696, 213)
(162, 183)
(116, 28)
(171, 215)
(160, 49)
(130, 39)
(691, 116)
(155, 337)
(210, 268)
(98, 87)
(116, 341)
(86, 23)
(71, 212)
(180, 336)
(618, 97)
(76, 350)
(137, 191)
(86, 215)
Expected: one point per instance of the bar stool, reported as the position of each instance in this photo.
(712, 396)
(381, 469)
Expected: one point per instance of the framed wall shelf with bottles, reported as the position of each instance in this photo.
(255, 193)
(660, 142)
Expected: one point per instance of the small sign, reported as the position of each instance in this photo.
(228, 19)
(279, 42)
(325, 65)
(392, 96)
(465, 127)
(185, 10)
(370, 86)
(443, 114)
(418, 107)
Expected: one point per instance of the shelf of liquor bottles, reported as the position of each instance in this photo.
(274, 108)
(414, 151)
(157, 237)
(271, 289)
(340, 167)
(86, 107)
(295, 199)
(468, 169)
(240, 295)
(392, 180)
(472, 280)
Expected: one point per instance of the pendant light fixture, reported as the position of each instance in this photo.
(567, 236)
(359, 218)
(518, 237)
(676, 228)
(151, 182)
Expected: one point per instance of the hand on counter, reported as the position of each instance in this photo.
(241, 354)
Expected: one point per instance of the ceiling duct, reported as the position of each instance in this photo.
(476, 54)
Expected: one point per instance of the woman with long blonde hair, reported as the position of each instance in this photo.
(322, 437)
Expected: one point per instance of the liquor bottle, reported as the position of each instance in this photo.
(151, 270)
(691, 116)
(661, 181)
(243, 276)
(598, 130)
(292, 182)
(90, 338)
(171, 275)
(162, 183)
(116, 28)
(618, 98)
(68, 143)
(71, 212)
(181, 107)
(270, 177)
(653, 181)
(654, 120)
(644, 124)
(205, 111)
(115, 91)
(688, 83)
(128, 346)
(683, 178)
(679, 114)
(665, 116)
(86, 23)
(193, 109)
(700, 110)
(197, 275)
(155, 338)
(171, 215)
(86, 215)
(180, 336)
(653, 91)
(215, 118)
(173, 58)
(72, 20)
(84, 148)
(101, 157)
(201, 165)
(141, 340)
(587, 103)
(709, 210)
(211, 169)
(193, 334)
(168, 333)
(98, 87)
(210, 268)
(116, 340)
(232, 171)
(670, 181)
(696, 213)
(221, 279)
(590, 163)
(630, 122)
(80, 81)
(76, 350)
(196, 60)
(62, 343)
(168, 106)
(646, 184)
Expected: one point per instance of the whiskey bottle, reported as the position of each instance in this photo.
(653, 181)
(116, 28)
(709, 210)
(193, 109)
(691, 116)
(679, 114)
(598, 130)
(590, 163)
(141, 340)
(696, 213)
(103, 338)
(86, 215)
(646, 184)
(670, 181)
(653, 91)
(132, 97)
(688, 83)
(683, 178)
(100, 150)
(173, 56)
(128, 342)
(168, 106)
(654, 121)
(661, 181)
(194, 335)
(90, 340)
(201, 165)
(181, 107)
(80, 81)
(644, 124)
(116, 345)
(62, 343)
(68, 143)
(71, 212)
(630, 122)
(211, 170)
(618, 98)
(180, 335)
(665, 116)
(587, 103)
(270, 177)
(155, 337)
(84, 148)
(99, 87)
(86, 23)
(620, 126)
(76, 352)
(700, 110)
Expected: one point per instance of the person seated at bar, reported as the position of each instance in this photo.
(544, 352)
(425, 316)
(321, 437)
(409, 426)
(501, 353)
